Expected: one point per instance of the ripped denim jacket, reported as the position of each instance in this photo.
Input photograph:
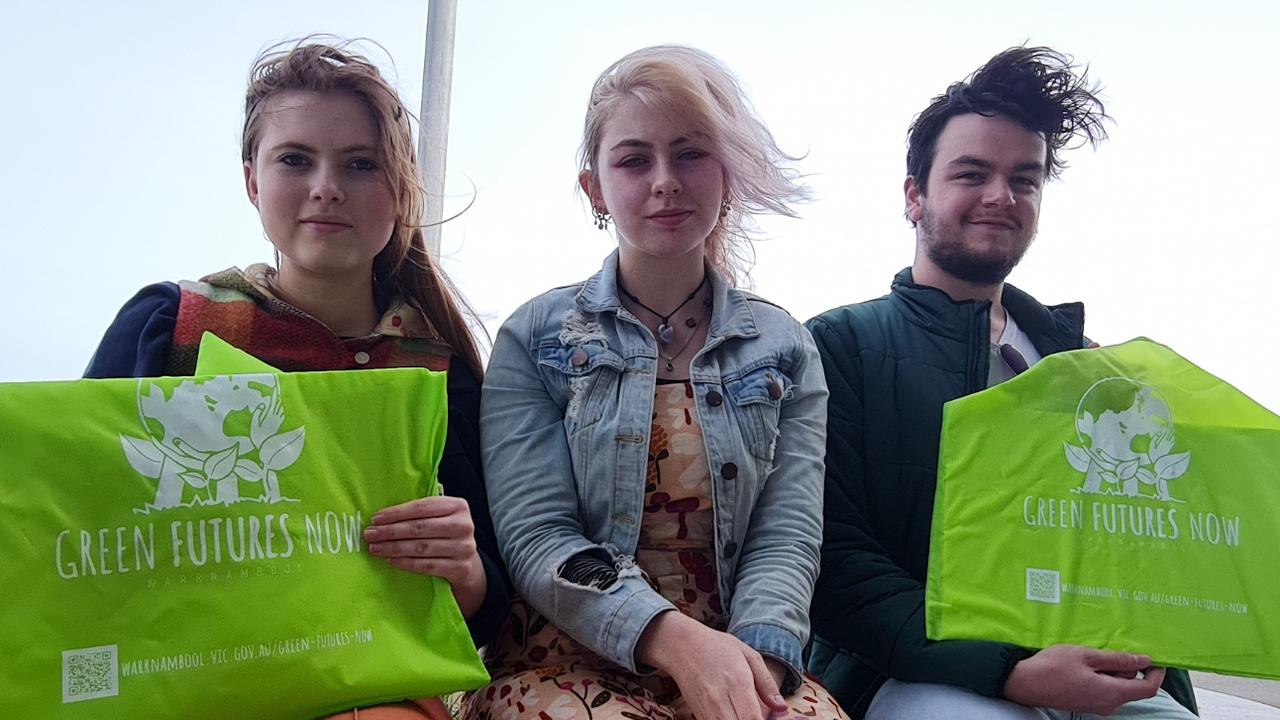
(565, 420)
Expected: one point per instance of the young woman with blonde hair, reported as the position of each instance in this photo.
(653, 437)
(329, 163)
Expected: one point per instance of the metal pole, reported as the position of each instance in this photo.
(433, 131)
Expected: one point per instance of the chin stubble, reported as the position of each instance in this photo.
(952, 257)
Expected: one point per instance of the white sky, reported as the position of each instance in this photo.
(122, 123)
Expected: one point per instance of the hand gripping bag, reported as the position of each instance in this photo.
(1119, 498)
(191, 547)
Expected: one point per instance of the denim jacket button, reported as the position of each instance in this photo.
(578, 358)
(714, 398)
(728, 471)
(775, 389)
(730, 550)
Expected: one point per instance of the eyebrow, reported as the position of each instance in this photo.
(973, 161)
(632, 143)
(307, 148)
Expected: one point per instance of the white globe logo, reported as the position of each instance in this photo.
(1126, 436)
(211, 434)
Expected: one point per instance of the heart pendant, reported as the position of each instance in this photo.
(666, 334)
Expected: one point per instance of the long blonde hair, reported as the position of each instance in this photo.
(404, 267)
(689, 83)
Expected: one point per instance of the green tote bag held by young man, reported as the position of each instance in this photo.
(192, 547)
(1118, 498)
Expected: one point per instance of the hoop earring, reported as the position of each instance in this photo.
(725, 207)
(602, 218)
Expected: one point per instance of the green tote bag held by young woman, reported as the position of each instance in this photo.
(1119, 498)
(192, 547)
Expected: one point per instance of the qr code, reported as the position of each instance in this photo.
(89, 673)
(1043, 586)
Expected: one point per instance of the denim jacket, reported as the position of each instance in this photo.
(566, 414)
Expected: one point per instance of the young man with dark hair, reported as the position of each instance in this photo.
(978, 159)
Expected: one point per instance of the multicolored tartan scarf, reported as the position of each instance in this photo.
(238, 307)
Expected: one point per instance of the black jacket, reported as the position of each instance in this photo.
(891, 364)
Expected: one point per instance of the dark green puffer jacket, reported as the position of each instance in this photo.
(891, 364)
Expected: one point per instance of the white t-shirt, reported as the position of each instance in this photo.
(999, 370)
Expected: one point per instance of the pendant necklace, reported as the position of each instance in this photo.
(666, 333)
(671, 359)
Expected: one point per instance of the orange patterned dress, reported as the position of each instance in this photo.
(540, 672)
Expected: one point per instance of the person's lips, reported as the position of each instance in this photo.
(325, 223)
(994, 222)
(670, 217)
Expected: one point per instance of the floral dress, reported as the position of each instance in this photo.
(540, 672)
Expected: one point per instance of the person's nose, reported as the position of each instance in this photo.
(666, 183)
(998, 194)
(326, 186)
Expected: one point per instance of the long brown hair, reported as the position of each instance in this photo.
(404, 267)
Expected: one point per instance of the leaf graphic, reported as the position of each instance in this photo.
(187, 456)
(280, 451)
(1146, 476)
(249, 470)
(194, 479)
(220, 464)
(1077, 456)
(1173, 466)
(142, 455)
(601, 699)
(1105, 461)
(186, 449)
(1109, 477)
(1127, 469)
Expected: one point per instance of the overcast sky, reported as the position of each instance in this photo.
(122, 123)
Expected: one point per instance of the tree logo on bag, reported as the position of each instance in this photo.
(1126, 437)
(204, 437)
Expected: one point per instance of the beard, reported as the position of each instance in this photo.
(945, 246)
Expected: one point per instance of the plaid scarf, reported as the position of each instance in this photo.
(238, 307)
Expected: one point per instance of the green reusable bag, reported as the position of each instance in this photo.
(192, 547)
(1118, 498)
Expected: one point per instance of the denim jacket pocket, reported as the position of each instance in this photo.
(582, 369)
(758, 396)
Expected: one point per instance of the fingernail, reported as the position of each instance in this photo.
(375, 549)
(777, 700)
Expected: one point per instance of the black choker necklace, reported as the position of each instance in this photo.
(665, 332)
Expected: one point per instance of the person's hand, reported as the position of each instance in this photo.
(777, 670)
(433, 536)
(1080, 679)
(720, 677)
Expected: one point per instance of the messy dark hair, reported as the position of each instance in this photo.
(1037, 87)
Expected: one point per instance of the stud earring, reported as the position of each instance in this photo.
(725, 207)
